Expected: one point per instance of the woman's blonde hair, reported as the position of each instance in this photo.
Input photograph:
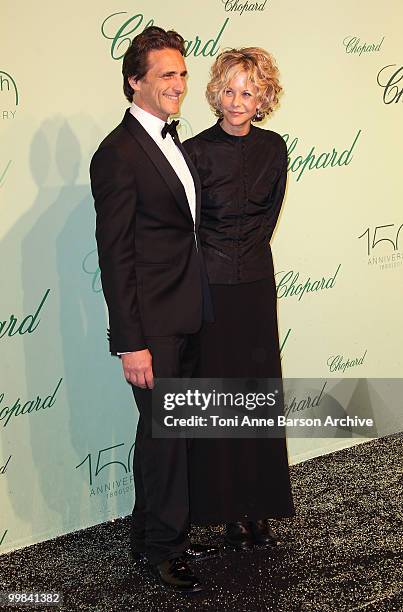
(261, 70)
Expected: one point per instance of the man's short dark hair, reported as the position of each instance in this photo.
(136, 56)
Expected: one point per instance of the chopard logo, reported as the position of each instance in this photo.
(315, 161)
(120, 29)
(353, 44)
(337, 363)
(290, 285)
(388, 78)
(301, 404)
(18, 409)
(240, 7)
(10, 327)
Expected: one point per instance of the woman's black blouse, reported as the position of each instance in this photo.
(243, 183)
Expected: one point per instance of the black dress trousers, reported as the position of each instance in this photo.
(160, 525)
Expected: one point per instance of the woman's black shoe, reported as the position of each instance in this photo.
(177, 575)
(239, 536)
(262, 534)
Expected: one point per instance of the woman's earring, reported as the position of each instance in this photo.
(258, 116)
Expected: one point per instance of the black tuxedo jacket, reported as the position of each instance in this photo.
(152, 273)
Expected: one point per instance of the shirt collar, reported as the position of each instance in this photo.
(152, 124)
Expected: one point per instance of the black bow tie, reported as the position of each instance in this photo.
(170, 128)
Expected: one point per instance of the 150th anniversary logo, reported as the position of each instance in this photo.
(382, 244)
(9, 97)
(120, 455)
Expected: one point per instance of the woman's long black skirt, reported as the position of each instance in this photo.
(233, 479)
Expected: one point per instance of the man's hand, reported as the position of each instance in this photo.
(137, 369)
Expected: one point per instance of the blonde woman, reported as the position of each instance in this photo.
(243, 171)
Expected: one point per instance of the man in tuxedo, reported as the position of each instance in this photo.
(147, 200)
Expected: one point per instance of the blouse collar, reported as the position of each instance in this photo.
(222, 134)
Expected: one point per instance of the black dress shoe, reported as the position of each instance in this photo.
(198, 552)
(262, 533)
(177, 575)
(239, 536)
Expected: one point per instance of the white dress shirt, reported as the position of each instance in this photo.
(153, 126)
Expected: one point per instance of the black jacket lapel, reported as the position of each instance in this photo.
(160, 161)
(196, 180)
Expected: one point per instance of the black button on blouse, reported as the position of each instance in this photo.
(243, 183)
